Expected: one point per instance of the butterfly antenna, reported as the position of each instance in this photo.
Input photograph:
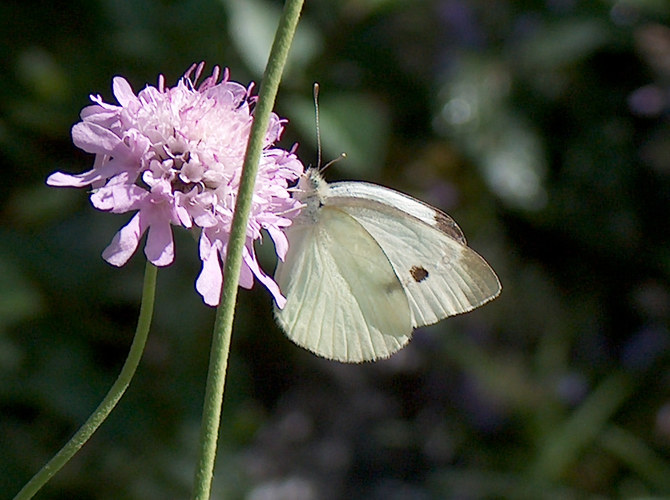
(318, 126)
(318, 134)
(335, 160)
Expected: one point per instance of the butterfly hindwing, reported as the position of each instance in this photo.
(344, 300)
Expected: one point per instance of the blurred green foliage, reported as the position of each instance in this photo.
(541, 126)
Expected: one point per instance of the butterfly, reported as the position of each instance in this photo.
(367, 264)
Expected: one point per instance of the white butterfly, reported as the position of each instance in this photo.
(366, 265)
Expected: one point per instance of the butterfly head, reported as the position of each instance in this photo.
(310, 192)
(311, 185)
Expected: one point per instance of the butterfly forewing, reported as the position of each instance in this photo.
(441, 275)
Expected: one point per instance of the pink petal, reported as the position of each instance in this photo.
(123, 91)
(119, 196)
(270, 284)
(94, 138)
(159, 248)
(280, 240)
(125, 243)
(210, 279)
(99, 113)
(61, 179)
(246, 276)
(103, 169)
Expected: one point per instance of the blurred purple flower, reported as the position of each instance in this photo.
(645, 347)
(174, 156)
(649, 101)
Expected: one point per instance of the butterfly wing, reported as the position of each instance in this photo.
(344, 300)
(441, 275)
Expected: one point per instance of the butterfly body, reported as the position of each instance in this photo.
(367, 264)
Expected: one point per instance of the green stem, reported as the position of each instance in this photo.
(636, 454)
(112, 397)
(582, 427)
(218, 361)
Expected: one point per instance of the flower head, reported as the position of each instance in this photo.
(174, 156)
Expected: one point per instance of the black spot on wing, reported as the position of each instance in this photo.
(418, 273)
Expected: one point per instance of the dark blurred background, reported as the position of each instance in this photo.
(540, 126)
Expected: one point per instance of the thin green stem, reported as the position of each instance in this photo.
(582, 427)
(112, 397)
(638, 455)
(218, 361)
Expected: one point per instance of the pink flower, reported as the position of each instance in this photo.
(174, 157)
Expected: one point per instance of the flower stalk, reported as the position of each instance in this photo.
(218, 362)
(111, 399)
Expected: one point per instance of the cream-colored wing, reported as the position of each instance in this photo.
(344, 300)
(441, 275)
